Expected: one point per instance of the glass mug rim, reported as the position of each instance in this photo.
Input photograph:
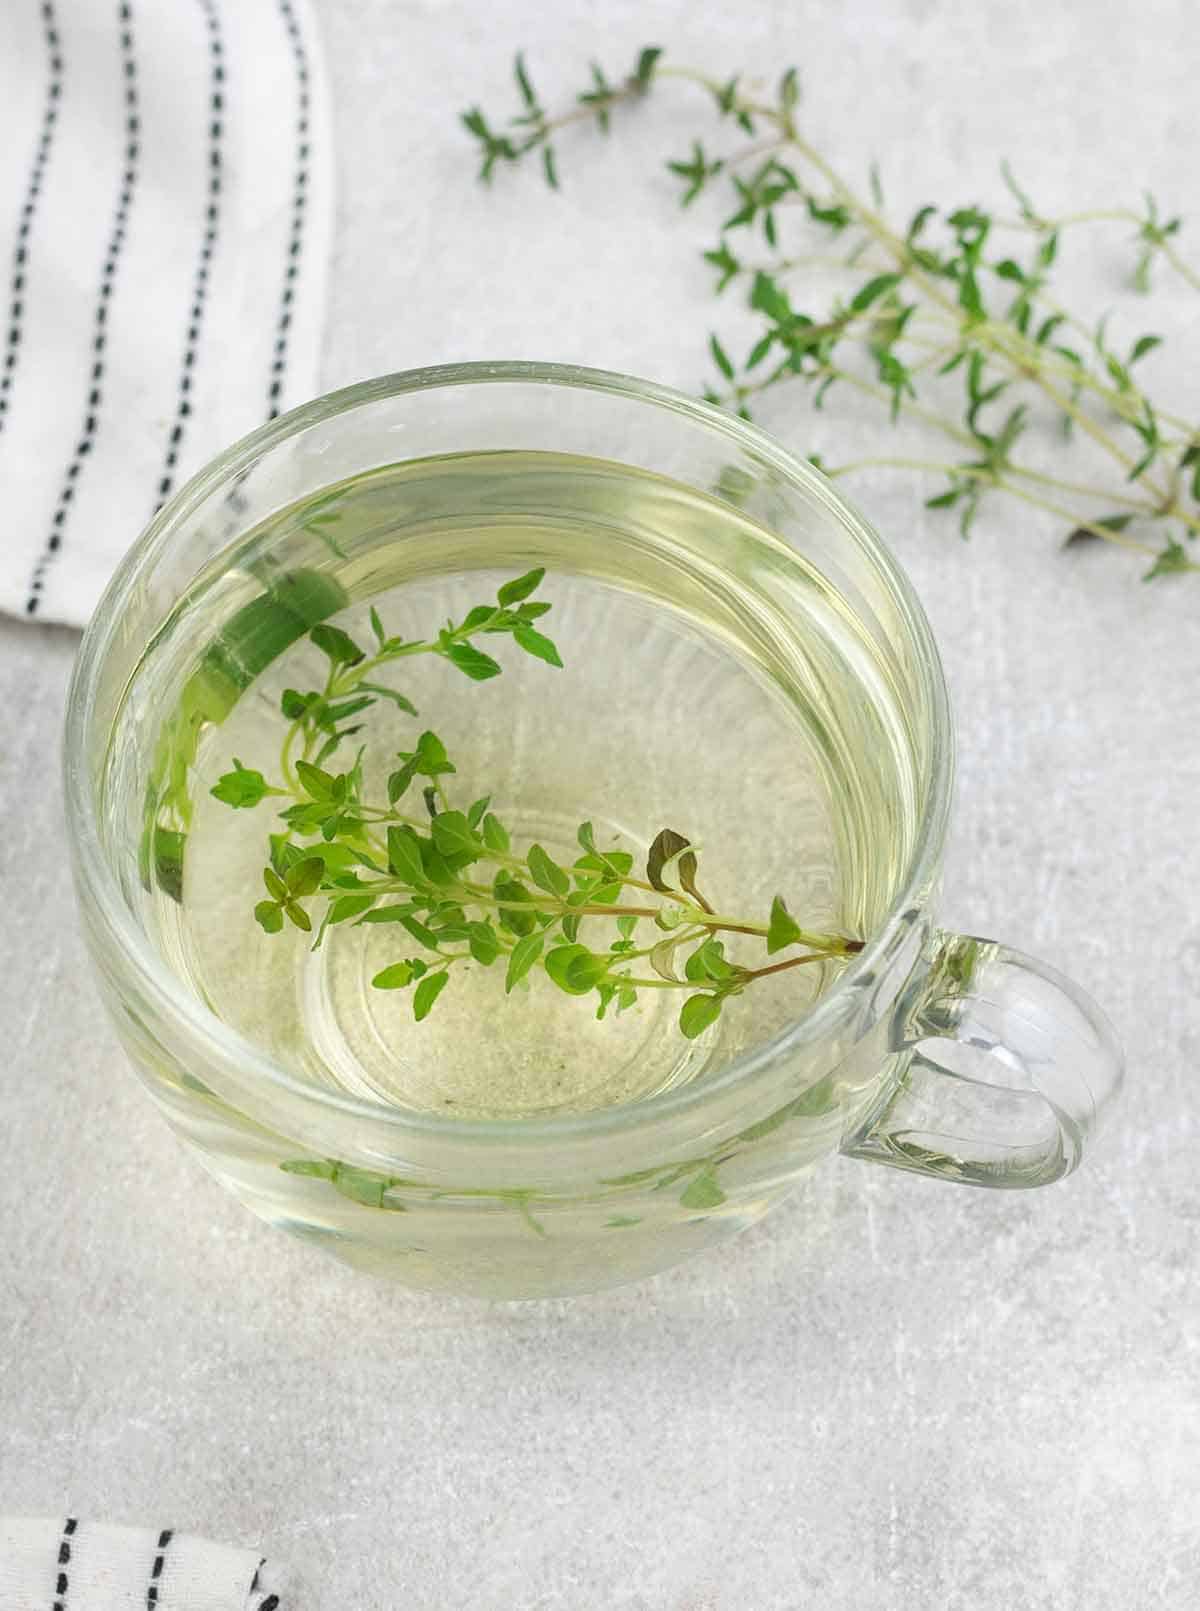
(97, 880)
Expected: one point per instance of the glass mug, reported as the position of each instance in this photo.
(932, 1052)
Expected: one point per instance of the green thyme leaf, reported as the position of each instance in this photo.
(384, 692)
(349, 906)
(521, 586)
(481, 616)
(430, 757)
(725, 263)
(269, 915)
(304, 878)
(338, 645)
(427, 992)
(243, 787)
(317, 784)
(720, 357)
(404, 855)
(439, 869)
(393, 913)
(394, 977)
(696, 172)
(644, 70)
(453, 835)
(703, 1191)
(522, 957)
(484, 943)
(276, 887)
(1083, 534)
(399, 781)
(575, 969)
(320, 1169)
(523, 83)
(535, 643)
(421, 932)
(472, 661)
(295, 706)
(364, 1186)
(495, 834)
(546, 873)
(783, 930)
(1172, 561)
(707, 963)
(516, 913)
(873, 290)
(697, 1013)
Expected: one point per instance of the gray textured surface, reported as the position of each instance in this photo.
(893, 1393)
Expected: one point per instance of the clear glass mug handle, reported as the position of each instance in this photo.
(1043, 1062)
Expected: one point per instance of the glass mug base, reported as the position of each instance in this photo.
(743, 660)
(508, 1242)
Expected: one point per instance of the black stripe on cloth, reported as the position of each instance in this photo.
(271, 1601)
(108, 276)
(164, 1543)
(299, 206)
(64, 1560)
(41, 155)
(208, 241)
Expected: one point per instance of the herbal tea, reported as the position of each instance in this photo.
(505, 791)
(476, 851)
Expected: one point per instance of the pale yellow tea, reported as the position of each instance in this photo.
(519, 800)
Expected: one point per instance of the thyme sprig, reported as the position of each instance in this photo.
(447, 873)
(925, 299)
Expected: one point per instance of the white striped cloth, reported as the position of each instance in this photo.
(165, 197)
(77, 1565)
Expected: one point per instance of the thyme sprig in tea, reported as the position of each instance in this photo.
(926, 299)
(436, 862)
